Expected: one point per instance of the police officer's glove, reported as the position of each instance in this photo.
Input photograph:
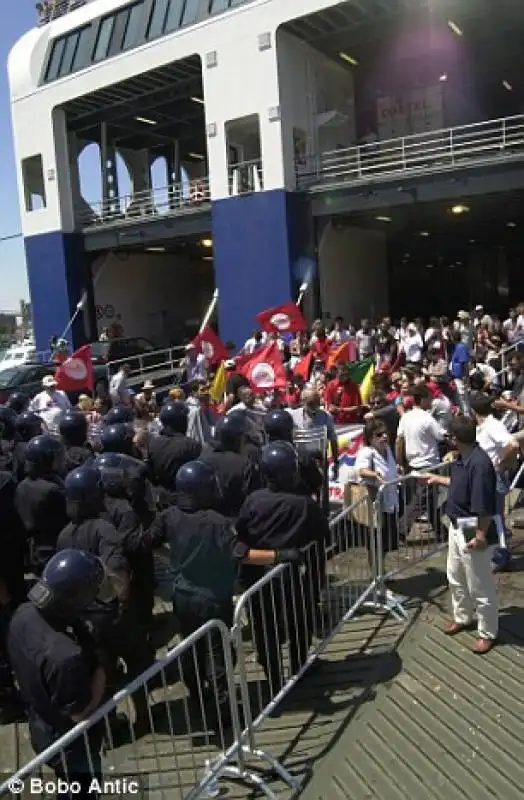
(289, 555)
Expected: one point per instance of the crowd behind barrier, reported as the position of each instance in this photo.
(291, 614)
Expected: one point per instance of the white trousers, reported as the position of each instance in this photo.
(472, 586)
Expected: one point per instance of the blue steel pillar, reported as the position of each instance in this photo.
(257, 238)
(59, 273)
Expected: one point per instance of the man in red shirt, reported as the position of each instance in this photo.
(342, 398)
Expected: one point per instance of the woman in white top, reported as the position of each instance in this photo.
(413, 346)
(376, 466)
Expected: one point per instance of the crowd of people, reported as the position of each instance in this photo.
(88, 495)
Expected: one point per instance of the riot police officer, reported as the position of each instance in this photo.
(53, 657)
(276, 517)
(7, 437)
(130, 507)
(171, 449)
(27, 426)
(114, 623)
(279, 428)
(119, 438)
(73, 430)
(205, 557)
(238, 474)
(119, 415)
(40, 497)
(18, 402)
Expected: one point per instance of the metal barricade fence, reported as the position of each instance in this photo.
(410, 527)
(314, 441)
(192, 718)
(287, 618)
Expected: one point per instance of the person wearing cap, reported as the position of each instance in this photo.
(195, 364)
(146, 399)
(50, 404)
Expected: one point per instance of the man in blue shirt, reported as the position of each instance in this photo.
(471, 508)
(460, 369)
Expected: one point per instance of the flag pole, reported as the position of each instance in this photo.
(210, 311)
(301, 292)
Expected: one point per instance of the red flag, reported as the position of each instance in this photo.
(282, 319)
(265, 370)
(208, 343)
(338, 354)
(303, 367)
(76, 372)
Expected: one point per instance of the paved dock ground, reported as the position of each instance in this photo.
(395, 711)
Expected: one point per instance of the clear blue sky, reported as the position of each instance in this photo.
(16, 19)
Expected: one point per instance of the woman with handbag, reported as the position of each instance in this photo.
(375, 466)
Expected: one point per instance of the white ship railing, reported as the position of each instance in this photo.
(435, 151)
(49, 10)
(167, 201)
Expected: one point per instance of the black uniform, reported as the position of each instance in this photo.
(54, 663)
(167, 453)
(201, 592)
(132, 524)
(238, 475)
(41, 505)
(272, 519)
(76, 455)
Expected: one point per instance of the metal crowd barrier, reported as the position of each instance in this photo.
(315, 442)
(410, 527)
(283, 621)
(192, 718)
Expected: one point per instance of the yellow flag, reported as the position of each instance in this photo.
(366, 387)
(218, 387)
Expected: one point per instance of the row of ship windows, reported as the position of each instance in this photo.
(124, 29)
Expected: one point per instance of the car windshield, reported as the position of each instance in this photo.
(99, 349)
(8, 377)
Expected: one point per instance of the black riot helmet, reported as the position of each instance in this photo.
(73, 428)
(122, 475)
(44, 455)
(280, 465)
(70, 582)
(28, 425)
(18, 402)
(7, 423)
(84, 492)
(196, 486)
(118, 439)
(230, 430)
(119, 415)
(174, 416)
(278, 425)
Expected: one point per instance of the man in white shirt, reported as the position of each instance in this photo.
(413, 345)
(254, 343)
(417, 446)
(118, 388)
(494, 438)
(50, 404)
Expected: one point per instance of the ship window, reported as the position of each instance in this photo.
(82, 52)
(173, 15)
(33, 179)
(103, 39)
(157, 18)
(233, 3)
(133, 23)
(68, 57)
(216, 6)
(55, 60)
(190, 14)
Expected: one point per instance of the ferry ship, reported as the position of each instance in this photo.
(358, 142)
